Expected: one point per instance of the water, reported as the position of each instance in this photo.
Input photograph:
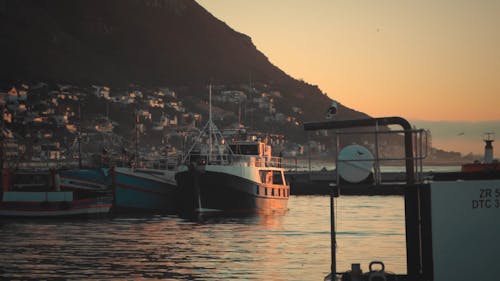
(290, 246)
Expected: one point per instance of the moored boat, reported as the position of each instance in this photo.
(237, 177)
(38, 194)
(144, 189)
(236, 182)
(51, 204)
(133, 189)
(98, 179)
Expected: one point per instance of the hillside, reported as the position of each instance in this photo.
(145, 42)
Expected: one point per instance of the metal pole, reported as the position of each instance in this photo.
(378, 174)
(136, 138)
(313, 126)
(333, 235)
(79, 137)
(2, 140)
(210, 122)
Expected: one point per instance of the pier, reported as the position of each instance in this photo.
(320, 182)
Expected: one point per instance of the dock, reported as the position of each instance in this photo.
(320, 182)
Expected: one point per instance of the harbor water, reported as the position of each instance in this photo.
(291, 246)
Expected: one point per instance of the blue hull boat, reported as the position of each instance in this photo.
(144, 190)
(97, 179)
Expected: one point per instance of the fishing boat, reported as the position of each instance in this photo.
(147, 185)
(240, 176)
(450, 223)
(39, 194)
(137, 185)
(94, 180)
(144, 189)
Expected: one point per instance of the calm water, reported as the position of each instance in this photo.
(290, 246)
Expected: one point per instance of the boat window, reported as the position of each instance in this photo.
(279, 192)
(272, 192)
(277, 179)
(265, 191)
(266, 176)
(245, 149)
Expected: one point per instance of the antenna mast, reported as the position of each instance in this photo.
(80, 165)
(210, 121)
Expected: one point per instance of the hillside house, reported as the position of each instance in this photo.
(191, 119)
(144, 114)
(161, 124)
(136, 94)
(166, 92)
(177, 105)
(102, 92)
(265, 102)
(3, 100)
(173, 121)
(47, 151)
(280, 117)
(22, 95)
(275, 94)
(104, 125)
(123, 99)
(231, 96)
(12, 95)
(7, 116)
(64, 87)
(12, 149)
(155, 102)
(59, 120)
(297, 110)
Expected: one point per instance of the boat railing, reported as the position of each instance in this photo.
(408, 147)
(162, 163)
(235, 160)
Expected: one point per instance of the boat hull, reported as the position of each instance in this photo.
(480, 167)
(85, 179)
(85, 207)
(218, 191)
(143, 191)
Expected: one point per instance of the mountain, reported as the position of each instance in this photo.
(145, 42)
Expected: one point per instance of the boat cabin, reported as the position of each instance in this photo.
(251, 148)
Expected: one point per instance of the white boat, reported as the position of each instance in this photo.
(238, 177)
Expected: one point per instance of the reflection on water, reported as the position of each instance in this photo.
(371, 228)
(290, 246)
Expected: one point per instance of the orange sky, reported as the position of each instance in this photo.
(426, 60)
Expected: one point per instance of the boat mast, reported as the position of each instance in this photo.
(2, 139)
(210, 121)
(80, 166)
(136, 138)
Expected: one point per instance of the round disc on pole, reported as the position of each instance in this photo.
(355, 163)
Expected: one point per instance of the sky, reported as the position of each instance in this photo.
(422, 60)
